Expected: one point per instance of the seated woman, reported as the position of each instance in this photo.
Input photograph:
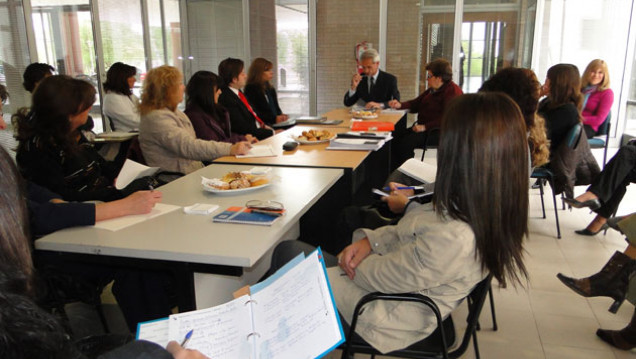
(429, 106)
(608, 188)
(261, 94)
(120, 104)
(210, 121)
(524, 88)
(445, 248)
(571, 165)
(52, 151)
(34, 74)
(31, 332)
(166, 135)
(598, 96)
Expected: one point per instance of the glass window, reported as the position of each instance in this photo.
(64, 38)
(122, 36)
(165, 33)
(292, 41)
(14, 55)
(437, 34)
(215, 32)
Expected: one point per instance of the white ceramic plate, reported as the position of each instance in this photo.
(233, 191)
(304, 142)
(366, 117)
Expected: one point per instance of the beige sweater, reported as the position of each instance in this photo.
(168, 141)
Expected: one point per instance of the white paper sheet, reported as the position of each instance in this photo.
(116, 224)
(419, 170)
(259, 151)
(131, 171)
(219, 332)
(156, 331)
(295, 316)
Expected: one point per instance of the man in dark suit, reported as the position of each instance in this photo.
(243, 119)
(376, 88)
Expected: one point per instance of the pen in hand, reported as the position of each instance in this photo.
(409, 187)
(187, 338)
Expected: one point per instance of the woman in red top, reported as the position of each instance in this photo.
(429, 106)
(599, 97)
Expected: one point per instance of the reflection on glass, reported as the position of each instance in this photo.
(437, 34)
(292, 39)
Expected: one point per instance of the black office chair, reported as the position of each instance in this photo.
(435, 345)
(601, 140)
(430, 138)
(544, 174)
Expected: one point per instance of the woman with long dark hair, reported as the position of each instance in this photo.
(120, 104)
(53, 153)
(210, 120)
(261, 94)
(442, 249)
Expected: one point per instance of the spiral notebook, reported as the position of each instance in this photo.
(271, 322)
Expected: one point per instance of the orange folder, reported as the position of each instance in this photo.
(372, 126)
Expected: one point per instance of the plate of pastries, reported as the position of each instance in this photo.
(235, 182)
(312, 137)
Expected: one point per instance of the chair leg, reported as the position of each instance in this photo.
(541, 192)
(423, 153)
(563, 201)
(475, 345)
(556, 210)
(492, 310)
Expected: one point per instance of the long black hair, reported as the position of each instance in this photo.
(117, 78)
(55, 99)
(201, 90)
(482, 178)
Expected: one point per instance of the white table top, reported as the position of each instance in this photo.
(177, 236)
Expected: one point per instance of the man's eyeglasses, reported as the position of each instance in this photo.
(264, 205)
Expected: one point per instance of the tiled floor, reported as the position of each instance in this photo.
(544, 319)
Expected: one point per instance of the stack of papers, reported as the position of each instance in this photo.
(386, 136)
(259, 151)
(355, 144)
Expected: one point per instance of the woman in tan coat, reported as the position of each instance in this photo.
(166, 135)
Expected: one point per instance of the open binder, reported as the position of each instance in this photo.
(291, 315)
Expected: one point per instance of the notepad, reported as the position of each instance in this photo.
(259, 151)
(244, 215)
(291, 315)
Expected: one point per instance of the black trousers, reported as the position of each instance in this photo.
(589, 131)
(611, 184)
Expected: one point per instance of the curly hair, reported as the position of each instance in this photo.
(441, 68)
(593, 66)
(158, 89)
(524, 88)
(55, 99)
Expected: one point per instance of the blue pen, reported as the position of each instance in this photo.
(187, 338)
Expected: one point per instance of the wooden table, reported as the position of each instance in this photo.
(236, 254)
(344, 114)
(363, 170)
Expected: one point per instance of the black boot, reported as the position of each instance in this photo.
(624, 339)
(611, 281)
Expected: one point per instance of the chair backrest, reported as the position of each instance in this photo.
(573, 136)
(603, 129)
(476, 300)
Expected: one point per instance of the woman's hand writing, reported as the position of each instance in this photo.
(179, 352)
(395, 104)
(240, 148)
(251, 139)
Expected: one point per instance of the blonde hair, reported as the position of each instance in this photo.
(539, 143)
(593, 66)
(158, 87)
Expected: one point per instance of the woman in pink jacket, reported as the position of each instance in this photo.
(598, 96)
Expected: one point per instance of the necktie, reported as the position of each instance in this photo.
(259, 122)
(371, 83)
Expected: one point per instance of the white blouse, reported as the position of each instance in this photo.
(122, 111)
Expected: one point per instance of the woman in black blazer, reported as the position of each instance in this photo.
(260, 93)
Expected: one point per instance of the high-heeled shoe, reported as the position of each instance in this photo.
(587, 232)
(624, 339)
(591, 204)
(611, 281)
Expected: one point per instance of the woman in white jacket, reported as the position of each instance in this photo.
(120, 104)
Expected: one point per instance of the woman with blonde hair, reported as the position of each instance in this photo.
(166, 135)
(598, 97)
(261, 94)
